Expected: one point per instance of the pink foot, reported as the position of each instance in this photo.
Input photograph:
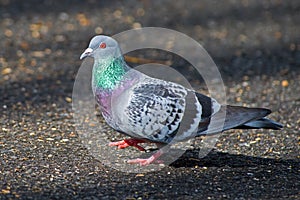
(128, 142)
(144, 162)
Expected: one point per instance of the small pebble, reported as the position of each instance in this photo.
(136, 25)
(83, 20)
(98, 30)
(140, 12)
(117, 14)
(284, 83)
(5, 191)
(6, 71)
(60, 38)
(139, 175)
(63, 16)
(38, 54)
(68, 99)
(8, 33)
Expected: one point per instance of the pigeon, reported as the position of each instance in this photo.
(151, 110)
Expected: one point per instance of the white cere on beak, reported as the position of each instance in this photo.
(86, 53)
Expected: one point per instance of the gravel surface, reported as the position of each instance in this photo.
(255, 44)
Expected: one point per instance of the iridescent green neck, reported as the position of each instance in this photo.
(107, 73)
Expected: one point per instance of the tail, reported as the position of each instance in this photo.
(261, 123)
(248, 118)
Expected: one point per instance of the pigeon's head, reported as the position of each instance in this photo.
(102, 46)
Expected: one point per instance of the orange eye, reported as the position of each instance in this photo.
(102, 45)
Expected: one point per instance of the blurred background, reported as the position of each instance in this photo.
(255, 44)
(251, 36)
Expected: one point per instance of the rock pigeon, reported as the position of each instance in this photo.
(152, 110)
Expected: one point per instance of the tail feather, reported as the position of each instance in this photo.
(237, 116)
(261, 123)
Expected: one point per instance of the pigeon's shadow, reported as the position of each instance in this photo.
(219, 159)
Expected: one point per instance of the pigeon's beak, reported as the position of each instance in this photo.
(86, 53)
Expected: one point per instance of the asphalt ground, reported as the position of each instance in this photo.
(255, 44)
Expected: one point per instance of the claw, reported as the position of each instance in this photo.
(128, 142)
(147, 161)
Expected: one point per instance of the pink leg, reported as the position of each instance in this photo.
(147, 161)
(128, 142)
